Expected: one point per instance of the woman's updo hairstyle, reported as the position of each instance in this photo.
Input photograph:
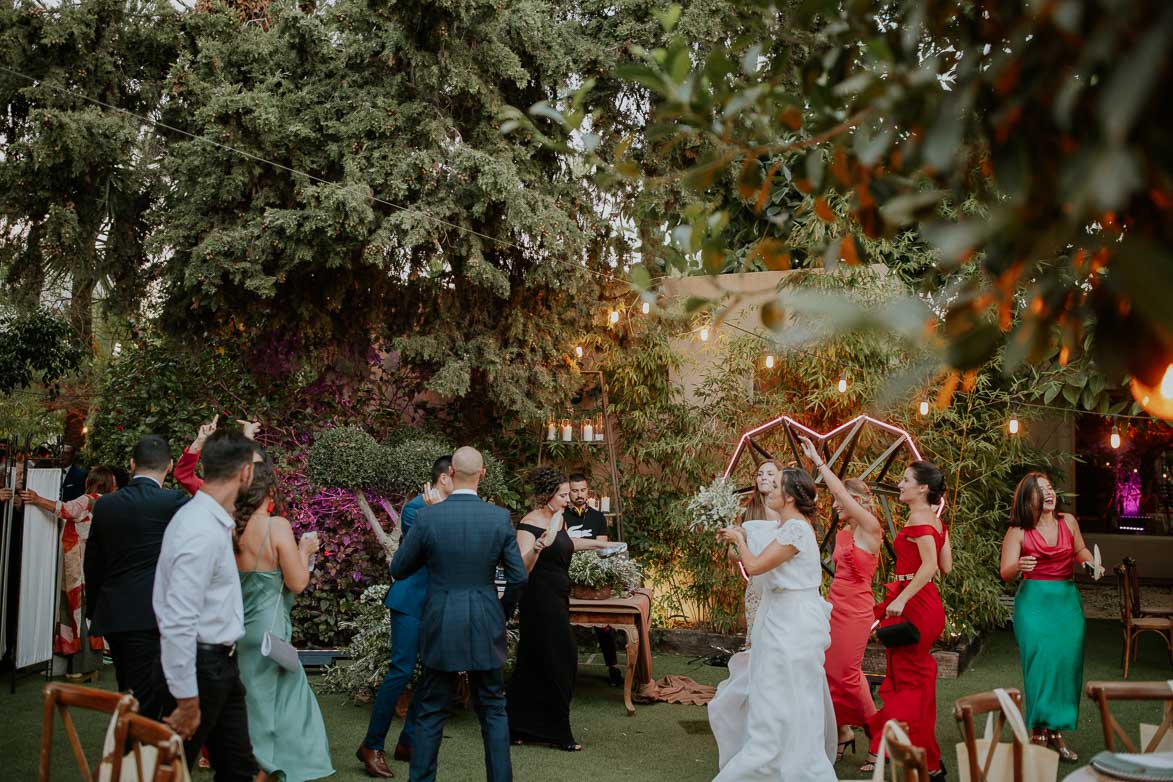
(799, 484)
(264, 488)
(860, 491)
(544, 481)
(928, 474)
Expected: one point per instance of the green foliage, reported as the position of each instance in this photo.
(36, 347)
(346, 457)
(620, 573)
(369, 650)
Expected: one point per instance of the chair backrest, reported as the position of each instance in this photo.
(965, 710)
(1133, 574)
(1103, 692)
(909, 763)
(142, 732)
(1123, 592)
(60, 697)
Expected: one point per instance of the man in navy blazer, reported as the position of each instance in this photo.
(461, 541)
(405, 600)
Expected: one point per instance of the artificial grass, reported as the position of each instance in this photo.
(661, 742)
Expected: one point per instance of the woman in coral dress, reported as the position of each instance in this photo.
(909, 691)
(857, 548)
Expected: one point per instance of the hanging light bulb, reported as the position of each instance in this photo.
(578, 351)
(1013, 426)
(647, 307)
(924, 407)
(85, 430)
(1115, 438)
(1158, 399)
(705, 334)
(614, 317)
(843, 383)
(769, 362)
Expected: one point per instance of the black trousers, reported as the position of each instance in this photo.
(223, 725)
(137, 668)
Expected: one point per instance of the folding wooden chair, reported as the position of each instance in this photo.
(60, 697)
(908, 761)
(964, 711)
(1135, 626)
(1138, 608)
(168, 762)
(1103, 692)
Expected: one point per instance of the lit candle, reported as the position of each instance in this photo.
(567, 430)
(588, 431)
(599, 428)
(605, 504)
(578, 351)
(551, 430)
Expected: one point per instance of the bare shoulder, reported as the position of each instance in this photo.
(534, 519)
(1070, 520)
(1014, 533)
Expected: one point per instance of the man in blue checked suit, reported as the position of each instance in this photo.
(460, 542)
(405, 601)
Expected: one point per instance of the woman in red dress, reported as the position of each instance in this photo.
(909, 691)
(857, 548)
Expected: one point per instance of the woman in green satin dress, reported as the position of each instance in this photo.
(284, 722)
(1043, 547)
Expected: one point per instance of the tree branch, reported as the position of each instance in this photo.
(388, 542)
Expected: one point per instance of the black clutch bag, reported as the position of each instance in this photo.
(901, 634)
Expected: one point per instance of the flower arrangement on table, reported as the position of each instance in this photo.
(595, 578)
(714, 507)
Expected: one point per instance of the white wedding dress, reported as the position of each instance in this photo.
(773, 718)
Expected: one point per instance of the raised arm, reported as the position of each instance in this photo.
(185, 468)
(293, 557)
(864, 518)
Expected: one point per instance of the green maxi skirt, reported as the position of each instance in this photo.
(1049, 628)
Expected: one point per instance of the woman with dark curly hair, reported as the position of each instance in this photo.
(547, 657)
(285, 724)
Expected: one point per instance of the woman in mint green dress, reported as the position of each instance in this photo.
(1043, 547)
(284, 721)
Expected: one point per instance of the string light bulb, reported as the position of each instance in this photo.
(1013, 425)
(769, 362)
(85, 430)
(614, 317)
(578, 351)
(924, 407)
(1158, 399)
(647, 307)
(1115, 438)
(843, 383)
(705, 334)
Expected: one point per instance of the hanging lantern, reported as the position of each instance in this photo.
(578, 350)
(646, 308)
(614, 317)
(769, 362)
(1013, 426)
(1115, 438)
(1157, 400)
(924, 407)
(843, 383)
(705, 334)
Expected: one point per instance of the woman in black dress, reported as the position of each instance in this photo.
(547, 658)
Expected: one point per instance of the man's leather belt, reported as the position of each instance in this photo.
(221, 649)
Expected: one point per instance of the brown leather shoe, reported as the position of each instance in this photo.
(403, 753)
(373, 761)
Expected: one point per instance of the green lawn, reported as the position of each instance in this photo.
(661, 742)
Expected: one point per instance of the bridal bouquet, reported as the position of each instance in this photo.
(714, 507)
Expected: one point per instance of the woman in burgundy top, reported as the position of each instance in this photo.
(1043, 547)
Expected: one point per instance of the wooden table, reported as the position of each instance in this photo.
(612, 613)
(1089, 774)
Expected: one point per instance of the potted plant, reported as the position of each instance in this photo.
(593, 578)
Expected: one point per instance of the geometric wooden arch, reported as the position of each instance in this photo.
(841, 447)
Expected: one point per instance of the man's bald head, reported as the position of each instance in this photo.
(468, 467)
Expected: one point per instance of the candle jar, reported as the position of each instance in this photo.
(605, 504)
(599, 428)
(588, 431)
(567, 430)
(551, 429)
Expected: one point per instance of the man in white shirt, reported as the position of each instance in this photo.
(200, 612)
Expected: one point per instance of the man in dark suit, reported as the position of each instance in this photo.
(73, 478)
(126, 534)
(461, 541)
(405, 600)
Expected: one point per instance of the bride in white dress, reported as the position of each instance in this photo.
(785, 731)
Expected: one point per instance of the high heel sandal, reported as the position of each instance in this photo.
(869, 764)
(567, 747)
(1056, 742)
(842, 750)
(1039, 738)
